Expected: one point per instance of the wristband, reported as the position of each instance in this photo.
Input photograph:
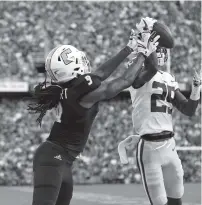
(143, 55)
(195, 93)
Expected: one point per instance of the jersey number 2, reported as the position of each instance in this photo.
(165, 96)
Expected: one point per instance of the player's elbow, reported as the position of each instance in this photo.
(189, 113)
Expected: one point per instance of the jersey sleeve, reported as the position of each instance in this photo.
(81, 87)
(91, 82)
(85, 84)
(175, 83)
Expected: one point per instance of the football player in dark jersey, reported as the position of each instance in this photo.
(78, 91)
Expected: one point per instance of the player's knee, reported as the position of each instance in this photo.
(180, 192)
(174, 201)
(69, 197)
(160, 200)
(177, 192)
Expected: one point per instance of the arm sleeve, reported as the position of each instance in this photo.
(175, 83)
(184, 105)
(113, 87)
(107, 68)
(146, 73)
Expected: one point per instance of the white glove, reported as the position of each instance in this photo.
(133, 41)
(196, 86)
(148, 43)
(146, 24)
(122, 147)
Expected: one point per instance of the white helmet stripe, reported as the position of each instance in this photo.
(48, 63)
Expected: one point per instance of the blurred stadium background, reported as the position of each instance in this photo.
(28, 30)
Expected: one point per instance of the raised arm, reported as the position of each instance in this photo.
(184, 105)
(106, 69)
(146, 74)
(188, 106)
(110, 89)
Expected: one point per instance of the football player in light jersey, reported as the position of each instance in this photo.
(79, 92)
(153, 98)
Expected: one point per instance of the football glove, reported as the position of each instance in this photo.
(132, 41)
(122, 147)
(146, 24)
(196, 86)
(148, 43)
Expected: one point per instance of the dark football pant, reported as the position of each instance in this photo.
(53, 184)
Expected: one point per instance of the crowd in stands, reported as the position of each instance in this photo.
(101, 29)
(99, 163)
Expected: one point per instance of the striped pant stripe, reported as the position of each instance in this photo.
(139, 155)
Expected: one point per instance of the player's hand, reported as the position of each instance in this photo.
(196, 86)
(133, 41)
(145, 24)
(196, 79)
(148, 43)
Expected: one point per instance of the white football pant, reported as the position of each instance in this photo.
(161, 170)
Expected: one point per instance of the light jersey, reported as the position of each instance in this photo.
(151, 104)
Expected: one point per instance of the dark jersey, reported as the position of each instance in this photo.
(76, 121)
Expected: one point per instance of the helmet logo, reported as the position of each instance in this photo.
(64, 56)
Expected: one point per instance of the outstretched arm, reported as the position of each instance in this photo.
(110, 89)
(146, 74)
(106, 69)
(114, 87)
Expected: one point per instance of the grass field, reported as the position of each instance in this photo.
(98, 195)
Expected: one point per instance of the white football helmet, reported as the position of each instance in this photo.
(162, 55)
(65, 62)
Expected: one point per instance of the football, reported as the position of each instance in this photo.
(166, 38)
